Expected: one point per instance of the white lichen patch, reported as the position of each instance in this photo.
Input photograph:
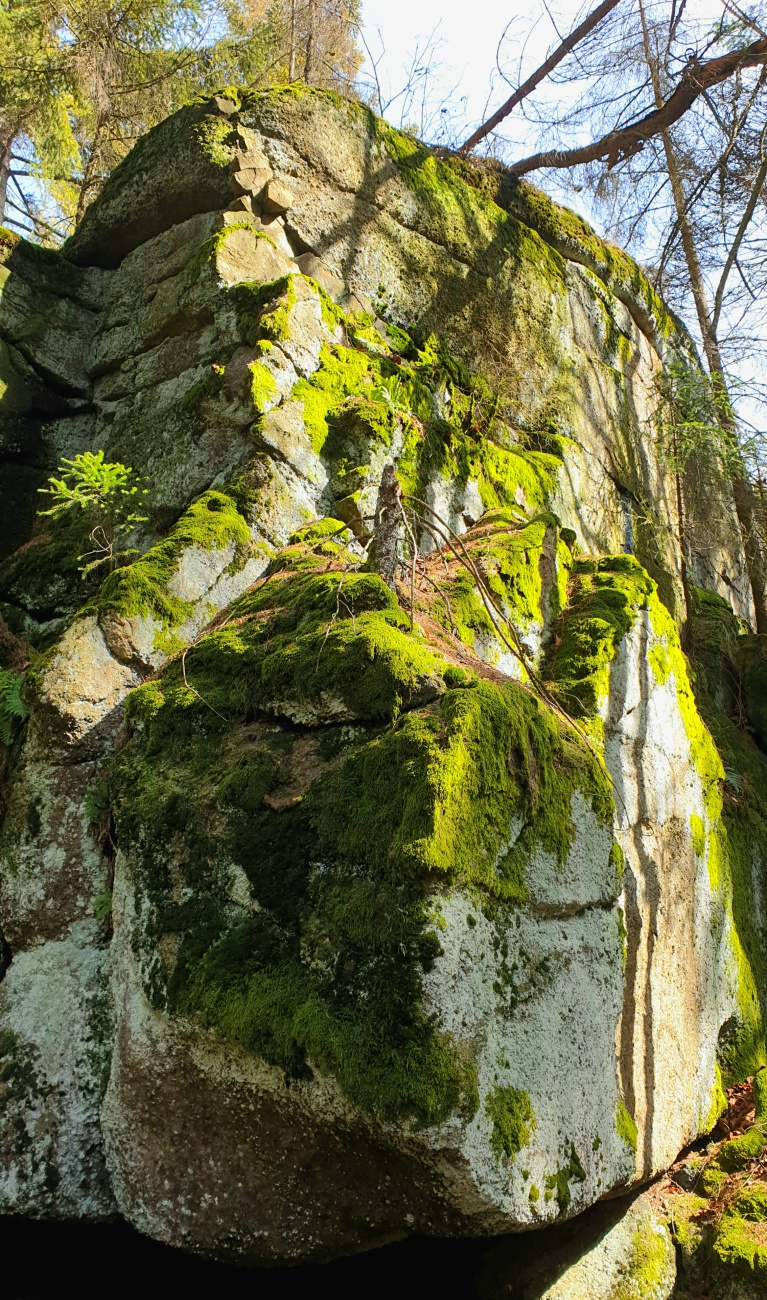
(537, 1002)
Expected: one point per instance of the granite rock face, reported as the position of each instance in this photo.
(332, 912)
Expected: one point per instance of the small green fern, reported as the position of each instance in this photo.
(12, 708)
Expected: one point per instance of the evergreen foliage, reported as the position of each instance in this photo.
(80, 83)
(107, 493)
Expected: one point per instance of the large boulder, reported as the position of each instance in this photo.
(368, 911)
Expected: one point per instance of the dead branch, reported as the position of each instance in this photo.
(413, 559)
(548, 66)
(619, 144)
(385, 544)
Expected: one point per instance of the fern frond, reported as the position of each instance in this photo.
(12, 708)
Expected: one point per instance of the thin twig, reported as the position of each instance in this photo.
(195, 691)
(516, 649)
(540, 73)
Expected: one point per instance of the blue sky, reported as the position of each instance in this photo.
(466, 37)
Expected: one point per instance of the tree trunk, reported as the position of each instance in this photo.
(310, 40)
(741, 488)
(384, 548)
(90, 168)
(6, 146)
(292, 64)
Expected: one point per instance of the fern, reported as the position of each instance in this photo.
(12, 707)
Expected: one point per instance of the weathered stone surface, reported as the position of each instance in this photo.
(48, 316)
(54, 864)
(278, 197)
(618, 1251)
(55, 1047)
(197, 147)
(678, 944)
(376, 961)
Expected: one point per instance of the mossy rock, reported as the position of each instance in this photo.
(752, 660)
(606, 595)
(177, 170)
(345, 834)
(751, 1202)
(740, 1247)
(740, 1151)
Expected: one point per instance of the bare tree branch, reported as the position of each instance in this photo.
(617, 145)
(748, 213)
(525, 89)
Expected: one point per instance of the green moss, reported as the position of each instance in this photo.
(606, 596)
(249, 298)
(348, 871)
(713, 1179)
(718, 1104)
(212, 523)
(357, 398)
(303, 657)
(567, 232)
(760, 1094)
(321, 530)
(344, 373)
(263, 388)
(275, 323)
(508, 550)
(205, 388)
(332, 314)
(698, 828)
(454, 819)
(215, 134)
(739, 1247)
(234, 93)
(687, 1233)
(648, 1265)
(502, 474)
(144, 703)
(740, 1151)
(751, 1202)
(513, 1120)
(737, 840)
(298, 90)
(456, 207)
(625, 1126)
(361, 394)
(8, 241)
(604, 601)
(558, 1185)
(668, 659)
(752, 662)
